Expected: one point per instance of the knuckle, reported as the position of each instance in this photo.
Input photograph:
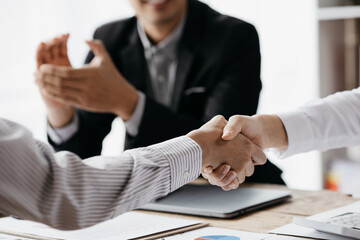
(219, 118)
(235, 118)
(67, 73)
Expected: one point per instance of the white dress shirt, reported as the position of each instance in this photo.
(328, 123)
(64, 192)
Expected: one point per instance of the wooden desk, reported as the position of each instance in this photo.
(302, 203)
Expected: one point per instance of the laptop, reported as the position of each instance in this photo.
(345, 224)
(212, 201)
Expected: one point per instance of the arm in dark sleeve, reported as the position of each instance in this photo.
(87, 141)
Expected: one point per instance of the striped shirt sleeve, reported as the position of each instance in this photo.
(62, 191)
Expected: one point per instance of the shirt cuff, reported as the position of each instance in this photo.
(60, 135)
(132, 125)
(298, 139)
(185, 160)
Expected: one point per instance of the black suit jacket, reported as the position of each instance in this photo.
(218, 72)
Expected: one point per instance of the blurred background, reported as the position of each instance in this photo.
(310, 48)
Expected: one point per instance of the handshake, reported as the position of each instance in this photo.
(230, 149)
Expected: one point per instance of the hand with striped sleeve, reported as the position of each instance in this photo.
(233, 160)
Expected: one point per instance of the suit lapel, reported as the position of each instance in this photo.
(185, 61)
(187, 49)
(132, 59)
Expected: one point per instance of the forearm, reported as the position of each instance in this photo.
(64, 192)
(324, 124)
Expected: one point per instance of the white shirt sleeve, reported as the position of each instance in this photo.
(64, 192)
(133, 124)
(60, 135)
(328, 123)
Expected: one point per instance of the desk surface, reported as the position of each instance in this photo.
(302, 203)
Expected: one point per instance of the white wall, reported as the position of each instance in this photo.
(289, 59)
(288, 41)
(24, 24)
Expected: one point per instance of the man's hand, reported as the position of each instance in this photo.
(239, 153)
(97, 87)
(266, 131)
(247, 126)
(53, 52)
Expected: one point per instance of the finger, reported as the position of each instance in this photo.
(63, 46)
(40, 59)
(207, 170)
(218, 121)
(59, 84)
(219, 173)
(98, 48)
(47, 52)
(258, 156)
(234, 184)
(50, 50)
(56, 48)
(66, 72)
(38, 78)
(233, 127)
(228, 178)
(56, 91)
(241, 177)
(249, 169)
(68, 96)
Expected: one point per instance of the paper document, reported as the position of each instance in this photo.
(126, 226)
(212, 233)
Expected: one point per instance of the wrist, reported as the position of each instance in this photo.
(60, 118)
(198, 138)
(127, 104)
(273, 131)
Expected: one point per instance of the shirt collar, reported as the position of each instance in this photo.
(168, 45)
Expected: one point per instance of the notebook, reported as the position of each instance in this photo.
(212, 201)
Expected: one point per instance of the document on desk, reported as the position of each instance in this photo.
(131, 225)
(296, 230)
(212, 233)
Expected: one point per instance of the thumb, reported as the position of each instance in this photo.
(218, 121)
(233, 127)
(98, 48)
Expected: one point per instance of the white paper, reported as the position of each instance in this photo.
(295, 230)
(212, 231)
(279, 237)
(125, 226)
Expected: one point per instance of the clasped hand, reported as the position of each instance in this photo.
(226, 163)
